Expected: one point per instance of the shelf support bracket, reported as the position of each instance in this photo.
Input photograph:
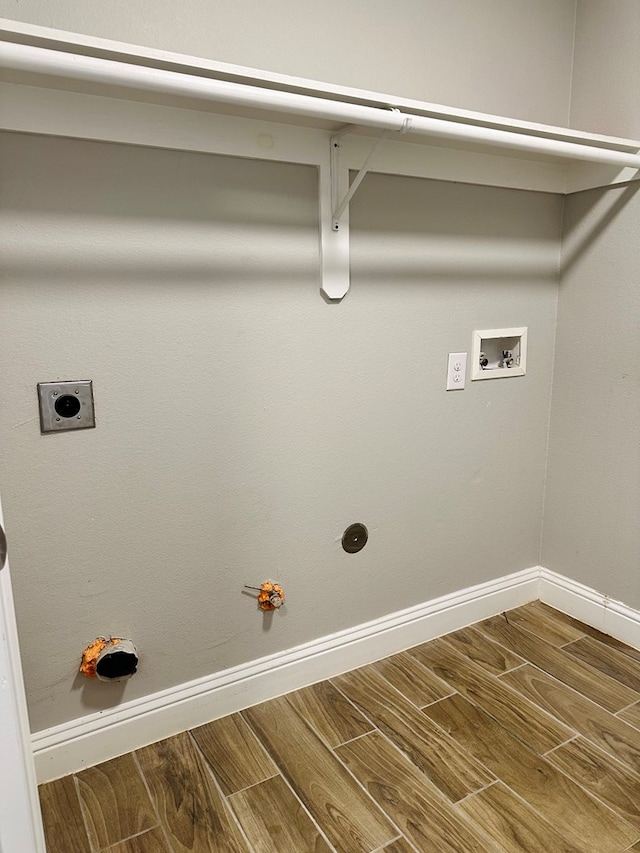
(335, 196)
(339, 206)
(334, 245)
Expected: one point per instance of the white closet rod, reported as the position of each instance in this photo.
(36, 60)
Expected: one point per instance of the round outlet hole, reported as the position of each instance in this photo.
(67, 406)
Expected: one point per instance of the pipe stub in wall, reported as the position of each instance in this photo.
(115, 659)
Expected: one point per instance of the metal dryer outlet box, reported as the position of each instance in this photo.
(66, 405)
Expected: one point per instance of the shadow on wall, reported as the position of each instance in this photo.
(96, 695)
(110, 214)
(576, 243)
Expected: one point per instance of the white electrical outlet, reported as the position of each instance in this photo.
(456, 371)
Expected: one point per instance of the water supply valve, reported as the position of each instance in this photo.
(507, 358)
(270, 597)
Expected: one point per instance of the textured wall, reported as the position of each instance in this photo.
(510, 57)
(591, 530)
(243, 423)
(604, 94)
(592, 506)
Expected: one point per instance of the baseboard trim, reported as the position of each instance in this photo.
(98, 737)
(595, 608)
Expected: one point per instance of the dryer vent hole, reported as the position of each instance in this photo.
(116, 665)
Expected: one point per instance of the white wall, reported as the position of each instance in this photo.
(591, 529)
(510, 57)
(243, 422)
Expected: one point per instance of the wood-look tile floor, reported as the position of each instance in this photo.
(520, 733)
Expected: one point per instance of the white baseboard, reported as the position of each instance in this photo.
(98, 737)
(596, 609)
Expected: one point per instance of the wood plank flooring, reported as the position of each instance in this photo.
(520, 734)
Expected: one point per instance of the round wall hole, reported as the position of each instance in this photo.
(67, 406)
(116, 665)
(355, 538)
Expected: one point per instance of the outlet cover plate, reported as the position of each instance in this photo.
(66, 405)
(456, 371)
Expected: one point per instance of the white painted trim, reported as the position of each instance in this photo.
(179, 79)
(98, 737)
(595, 608)
(20, 820)
(20, 32)
(95, 738)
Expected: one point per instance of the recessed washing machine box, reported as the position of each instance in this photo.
(498, 353)
(66, 405)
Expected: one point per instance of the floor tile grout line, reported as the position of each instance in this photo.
(623, 648)
(589, 671)
(130, 838)
(538, 636)
(592, 743)
(511, 669)
(592, 795)
(633, 725)
(541, 756)
(530, 805)
(498, 679)
(252, 785)
(394, 841)
(289, 785)
(494, 781)
(152, 799)
(310, 722)
(84, 815)
(435, 701)
(563, 646)
(246, 723)
(279, 775)
(560, 745)
(332, 750)
(477, 626)
(608, 756)
(596, 673)
(227, 806)
(536, 811)
(415, 661)
(435, 790)
(626, 707)
(548, 713)
(444, 731)
(619, 650)
(582, 696)
(477, 827)
(352, 739)
(384, 846)
(608, 650)
(392, 686)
